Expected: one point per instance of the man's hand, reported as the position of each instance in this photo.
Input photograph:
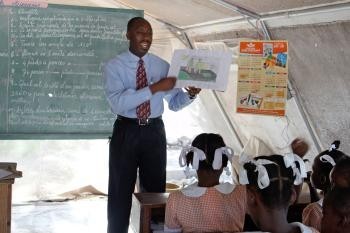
(165, 84)
(299, 147)
(192, 91)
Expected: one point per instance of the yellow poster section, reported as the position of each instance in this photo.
(262, 77)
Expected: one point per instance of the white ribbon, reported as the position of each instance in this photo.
(182, 157)
(327, 159)
(243, 177)
(333, 147)
(187, 172)
(217, 163)
(263, 177)
(299, 173)
(199, 155)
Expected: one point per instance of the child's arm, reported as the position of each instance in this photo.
(313, 192)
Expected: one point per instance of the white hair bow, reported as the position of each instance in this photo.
(263, 177)
(332, 147)
(299, 173)
(198, 155)
(217, 163)
(327, 159)
(182, 158)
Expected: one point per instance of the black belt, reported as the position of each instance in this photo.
(137, 121)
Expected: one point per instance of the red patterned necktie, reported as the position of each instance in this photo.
(143, 111)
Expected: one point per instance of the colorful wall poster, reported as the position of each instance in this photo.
(262, 77)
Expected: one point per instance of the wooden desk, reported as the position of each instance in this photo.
(144, 207)
(6, 196)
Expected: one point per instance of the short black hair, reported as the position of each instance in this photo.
(280, 189)
(132, 22)
(208, 143)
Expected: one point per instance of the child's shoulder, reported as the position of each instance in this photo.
(312, 213)
(314, 206)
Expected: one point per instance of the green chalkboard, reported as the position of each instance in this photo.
(51, 70)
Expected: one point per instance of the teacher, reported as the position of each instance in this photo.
(135, 84)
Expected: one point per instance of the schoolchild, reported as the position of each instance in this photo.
(321, 168)
(270, 184)
(208, 205)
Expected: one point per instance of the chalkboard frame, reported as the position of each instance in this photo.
(52, 135)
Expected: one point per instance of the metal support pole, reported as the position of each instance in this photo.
(220, 105)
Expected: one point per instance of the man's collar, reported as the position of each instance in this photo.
(134, 58)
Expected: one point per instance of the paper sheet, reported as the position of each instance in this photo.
(206, 69)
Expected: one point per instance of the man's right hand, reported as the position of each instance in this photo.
(165, 84)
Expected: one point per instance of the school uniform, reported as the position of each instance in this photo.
(200, 209)
(302, 227)
(312, 214)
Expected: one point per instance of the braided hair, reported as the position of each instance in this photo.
(208, 143)
(279, 192)
(322, 169)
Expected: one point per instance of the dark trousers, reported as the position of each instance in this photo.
(134, 147)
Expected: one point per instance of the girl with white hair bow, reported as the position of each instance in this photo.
(270, 184)
(321, 168)
(206, 206)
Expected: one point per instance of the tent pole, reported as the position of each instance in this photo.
(298, 101)
(239, 9)
(267, 36)
(227, 118)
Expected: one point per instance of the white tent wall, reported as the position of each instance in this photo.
(277, 132)
(318, 58)
(319, 70)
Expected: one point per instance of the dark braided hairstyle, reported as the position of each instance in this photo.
(321, 169)
(280, 189)
(334, 153)
(208, 143)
